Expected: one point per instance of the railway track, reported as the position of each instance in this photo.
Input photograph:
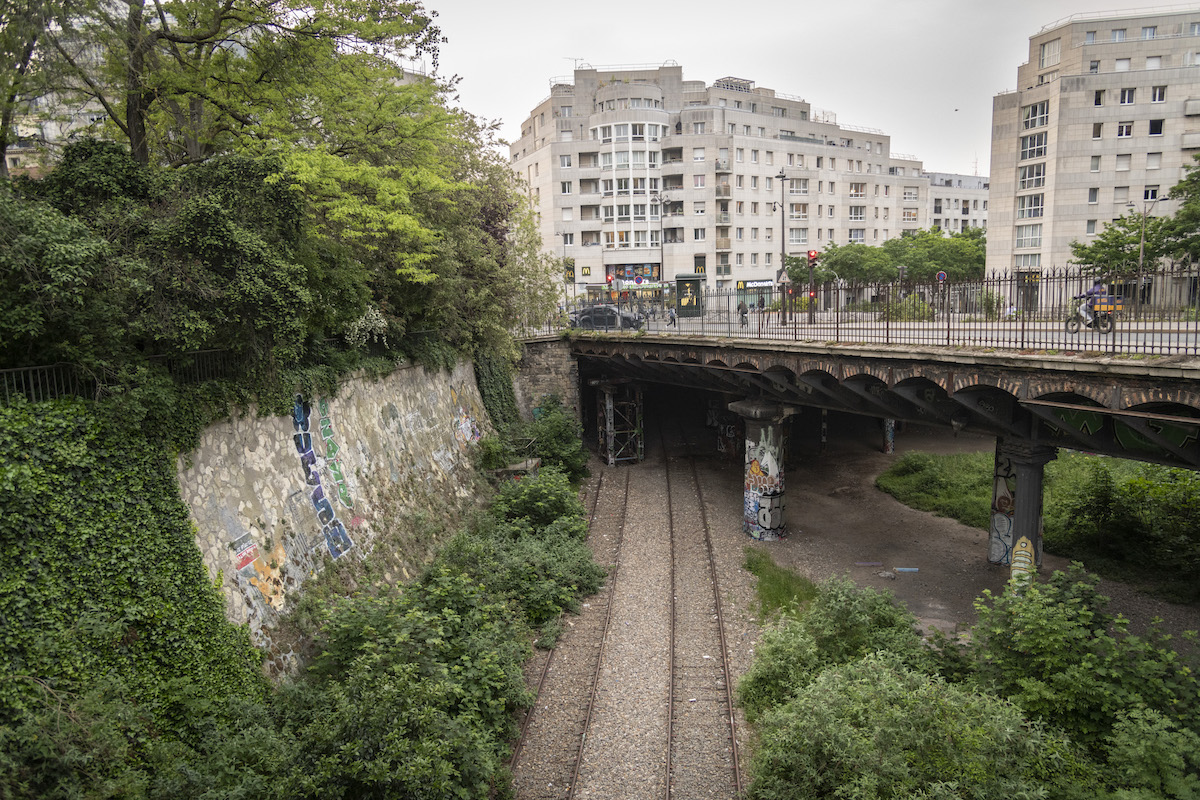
(636, 701)
(702, 757)
(556, 727)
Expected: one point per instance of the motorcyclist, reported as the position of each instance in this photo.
(743, 309)
(1087, 308)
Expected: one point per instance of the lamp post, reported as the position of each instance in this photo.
(1146, 206)
(563, 237)
(782, 277)
(661, 201)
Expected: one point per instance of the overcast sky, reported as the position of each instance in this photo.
(922, 71)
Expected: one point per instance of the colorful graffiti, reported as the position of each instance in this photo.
(1024, 564)
(332, 462)
(763, 500)
(332, 530)
(1004, 507)
(465, 428)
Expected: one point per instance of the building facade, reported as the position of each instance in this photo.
(1105, 122)
(639, 177)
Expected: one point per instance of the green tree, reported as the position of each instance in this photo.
(856, 263)
(1115, 250)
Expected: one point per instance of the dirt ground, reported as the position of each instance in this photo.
(841, 524)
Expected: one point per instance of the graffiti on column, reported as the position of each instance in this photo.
(466, 430)
(763, 510)
(332, 462)
(1004, 507)
(1023, 562)
(332, 529)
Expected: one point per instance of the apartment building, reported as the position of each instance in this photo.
(641, 177)
(957, 202)
(1105, 121)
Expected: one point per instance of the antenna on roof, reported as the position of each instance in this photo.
(577, 61)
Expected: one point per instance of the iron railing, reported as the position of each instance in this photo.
(1159, 314)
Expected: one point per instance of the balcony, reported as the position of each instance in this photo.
(722, 165)
(723, 190)
(721, 218)
(724, 244)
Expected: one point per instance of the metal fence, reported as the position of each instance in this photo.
(1157, 314)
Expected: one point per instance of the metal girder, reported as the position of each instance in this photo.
(1100, 428)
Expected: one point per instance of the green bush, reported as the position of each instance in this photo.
(910, 309)
(874, 729)
(539, 500)
(557, 439)
(841, 624)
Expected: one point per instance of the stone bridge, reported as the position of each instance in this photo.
(1145, 408)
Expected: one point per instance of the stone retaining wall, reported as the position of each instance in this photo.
(546, 367)
(273, 497)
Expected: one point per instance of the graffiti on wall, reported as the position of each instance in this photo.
(1004, 507)
(332, 530)
(332, 462)
(1023, 559)
(763, 507)
(466, 430)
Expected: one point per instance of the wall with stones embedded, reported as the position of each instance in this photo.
(273, 497)
(546, 367)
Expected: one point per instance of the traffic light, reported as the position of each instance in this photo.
(812, 257)
(609, 278)
(811, 294)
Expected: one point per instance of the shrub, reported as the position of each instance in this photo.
(557, 439)
(539, 500)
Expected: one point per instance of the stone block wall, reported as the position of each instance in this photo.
(273, 497)
(546, 367)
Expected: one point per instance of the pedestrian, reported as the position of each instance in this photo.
(742, 311)
(671, 317)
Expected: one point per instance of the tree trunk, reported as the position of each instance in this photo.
(135, 97)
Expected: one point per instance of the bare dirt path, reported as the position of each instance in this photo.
(838, 518)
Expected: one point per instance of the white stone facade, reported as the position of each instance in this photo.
(1105, 119)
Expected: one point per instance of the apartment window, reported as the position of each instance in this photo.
(1089, 37)
(1031, 176)
(738, 260)
(564, 162)
(739, 155)
(1029, 235)
(566, 110)
(697, 127)
(745, 130)
(1153, 160)
(753, 181)
(698, 234)
(1153, 62)
(1033, 146)
(858, 190)
(740, 207)
(698, 208)
(1150, 193)
(910, 215)
(1093, 67)
(1124, 130)
(910, 194)
(798, 235)
(1120, 194)
(739, 234)
(1156, 127)
(1029, 206)
(568, 214)
(1028, 261)
(1127, 97)
(731, 129)
(762, 132)
(1149, 31)
(754, 259)
(1098, 98)
(1091, 227)
(754, 208)
(858, 235)
(1049, 53)
(753, 156)
(565, 187)
(697, 154)
(1123, 162)
(1036, 115)
(737, 181)
(1158, 94)
(1122, 65)
(858, 213)
(1118, 34)
(754, 234)
(770, 158)
(1095, 163)
(798, 210)
(697, 181)
(1097, 130)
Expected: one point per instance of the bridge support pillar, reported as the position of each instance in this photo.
(1015, 535)
(763, 506)
(889, 436)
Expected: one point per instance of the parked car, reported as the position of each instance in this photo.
(605, 318)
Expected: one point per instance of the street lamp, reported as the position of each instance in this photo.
(661, 201)
(1146, 206)
(563, 236)
(782, 277)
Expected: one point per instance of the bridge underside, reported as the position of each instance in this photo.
(1120, 414)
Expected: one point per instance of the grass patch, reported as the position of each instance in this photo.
(777, 588)
(1123, 519)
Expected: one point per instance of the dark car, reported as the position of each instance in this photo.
(605, 318)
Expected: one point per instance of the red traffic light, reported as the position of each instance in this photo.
(812, 294)
(812, 257)
(609, 278)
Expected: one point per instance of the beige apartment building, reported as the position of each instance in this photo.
(1104, 123)
(641, 177)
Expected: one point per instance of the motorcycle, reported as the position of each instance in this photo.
(1102, 321)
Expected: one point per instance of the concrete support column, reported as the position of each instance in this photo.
(763, 506)
(889, 436)
(1015, 536)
